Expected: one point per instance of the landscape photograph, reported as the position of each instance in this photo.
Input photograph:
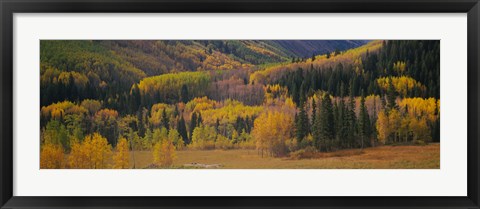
(239, 104)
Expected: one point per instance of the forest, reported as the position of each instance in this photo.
(278, 103)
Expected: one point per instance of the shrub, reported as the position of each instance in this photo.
(307, 153)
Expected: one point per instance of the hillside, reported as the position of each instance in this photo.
(307, 48)
(104, 100)
(114, 66)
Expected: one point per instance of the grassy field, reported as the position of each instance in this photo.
(416, 157)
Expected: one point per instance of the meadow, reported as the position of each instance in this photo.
(382, 157)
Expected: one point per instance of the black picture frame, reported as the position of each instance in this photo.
(9, 7)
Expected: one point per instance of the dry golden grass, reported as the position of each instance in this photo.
(384, 157)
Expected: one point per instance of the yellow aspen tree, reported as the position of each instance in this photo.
(122, 154)
(394, 119)
(93, 152)
(164, 153)
(383, 127)
(79, 157)
(51, 156)
(272, 130)
(101, 151)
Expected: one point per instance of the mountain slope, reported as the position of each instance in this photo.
(113, 66)
(305, 48)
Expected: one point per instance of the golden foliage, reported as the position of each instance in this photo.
(383, 127)
(164, 153)
(106, 114)
(399, 67)
(271, 131)
(273, 92)
(157, 112)
(196, 83)
(60, 109)
(420, 107)
(51, 156)
(200, 103)
(402, 84)
(223, 142)
(409, 123)
(220, 61)
(93, 152)
(176, 139)
(122, 154)
(229, 111)
(348, 57)
(54, 76)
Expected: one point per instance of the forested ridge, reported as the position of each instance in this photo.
(103, 100)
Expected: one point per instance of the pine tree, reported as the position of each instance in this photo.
(351, 122)
(363, 122)
(140, 124)
(175, 112)
(200, 119)
(184, 94)
(182, 130)
(164, 120)
(135, 98)
(316, 133)
(217, 126)
(326, 123)
(301, 124)
(391, 96)
(193, 123)
(314, 113)
(342, 123)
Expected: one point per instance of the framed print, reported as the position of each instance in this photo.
(264, 104)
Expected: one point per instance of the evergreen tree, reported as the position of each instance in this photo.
(391, 96)
(363, 123)
(135, 98)
(326, 123)
(351, 122)
(302, 124)
(314, 113)
(175, 112)
(316, 133)
(141, 124)
(164, 119)
(184, 94)
(193, 123)
(239, 124)
(217, 126)
(342, 124)
(182, 130)
(199, 120)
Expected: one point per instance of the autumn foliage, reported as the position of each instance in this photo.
(51, 156)
(93, 152)
(105, 102)
(122, 154)
(164, 153)
(272, 131)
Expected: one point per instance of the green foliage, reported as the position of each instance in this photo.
(56, 133)
(203, 137)
(167, 88)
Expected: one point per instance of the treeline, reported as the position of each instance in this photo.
(403, 63)
(325, 123)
